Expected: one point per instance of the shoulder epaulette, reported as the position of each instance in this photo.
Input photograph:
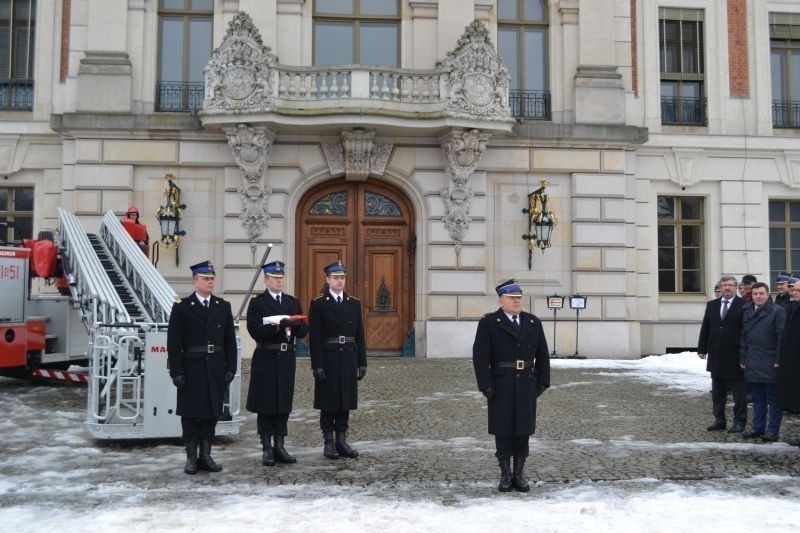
(319, 296)
(487, 315)
(178, 300)
(353, 298)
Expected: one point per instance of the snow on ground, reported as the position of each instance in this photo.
(762, 503)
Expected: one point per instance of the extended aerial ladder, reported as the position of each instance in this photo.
(125, 304)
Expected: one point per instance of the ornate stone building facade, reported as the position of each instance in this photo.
(404, 138)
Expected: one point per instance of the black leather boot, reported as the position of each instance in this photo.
(505, 475)
(519, 481)
(330, 448)
(267, 458)
(205, 462)
(191, 457)
(342, 447)
(281, 455)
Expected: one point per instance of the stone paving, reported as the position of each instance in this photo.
(421, 432)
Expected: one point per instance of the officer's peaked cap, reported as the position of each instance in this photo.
(509, 288)
(276, 269)
(335, 268)
(205, 269)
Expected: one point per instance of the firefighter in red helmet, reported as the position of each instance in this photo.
(136, 229)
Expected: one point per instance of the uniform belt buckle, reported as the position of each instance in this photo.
(520, 364)
(210, 348)
(284, 346)
(342, 339)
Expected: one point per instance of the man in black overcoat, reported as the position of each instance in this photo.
(512, 366)
(719, 345)
(789, 361)
(338, 359)
(202, 353)
(272, 322)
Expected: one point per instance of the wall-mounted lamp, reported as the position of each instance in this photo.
(169, 215)
(541, 222)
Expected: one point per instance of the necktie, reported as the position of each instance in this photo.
(514, 322)
(724, 308)
(205, 303)
(278, 298)
(338, 299)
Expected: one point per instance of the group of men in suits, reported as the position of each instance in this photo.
(203, 360)
(752, 348)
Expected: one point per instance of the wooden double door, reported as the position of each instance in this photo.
(369, 226)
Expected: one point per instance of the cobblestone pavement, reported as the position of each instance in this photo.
(420, 429)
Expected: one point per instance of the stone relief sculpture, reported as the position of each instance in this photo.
(477, 84)
(357, 157)
(251, 148)
(463, 151)
(238, 75)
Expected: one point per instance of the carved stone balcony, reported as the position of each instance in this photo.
(245, 83)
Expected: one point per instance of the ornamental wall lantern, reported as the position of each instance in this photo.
(169, 215)
(541, 221)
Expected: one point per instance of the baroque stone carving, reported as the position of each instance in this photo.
(239, 72)
(358, 156)
(251, 148)
(477, 84)
(463, 150)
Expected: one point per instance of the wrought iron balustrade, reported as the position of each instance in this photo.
(16, 95)
(533, 105)
(785, 114)
(683, 111)
(179, 96)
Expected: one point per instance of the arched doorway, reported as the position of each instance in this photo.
(369, 225)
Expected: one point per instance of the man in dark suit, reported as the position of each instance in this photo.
(512, 367)
(270, 323)
(201, 346)
(719, 344)
(789, 362)
(338, 359)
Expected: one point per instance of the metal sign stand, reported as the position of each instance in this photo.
(577, 302)
(555, 302)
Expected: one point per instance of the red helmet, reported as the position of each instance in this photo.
(132, 210)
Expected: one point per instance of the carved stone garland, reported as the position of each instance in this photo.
(477, 85)
(251, 148)
(238, 74)
(463, 150)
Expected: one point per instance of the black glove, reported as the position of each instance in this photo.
(361, 372)
(319, 374)
(229, 377)
(539, 392)
(489, 393)
(179, 381)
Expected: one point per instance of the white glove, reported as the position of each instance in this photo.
(274, 319)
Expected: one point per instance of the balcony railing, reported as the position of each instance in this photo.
(179, 96)
(16, 95)
(785, 114)
(532, 105)
(683, 111)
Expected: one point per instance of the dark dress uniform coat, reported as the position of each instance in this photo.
(789, 362)
(512, 410)
(191, 325)
(272, 371)
(720, 339)
(328, 319)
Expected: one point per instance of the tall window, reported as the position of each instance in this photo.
(17, 29)
(784, 236)
(16, 213)
(185, 38)
(784, 34)
(680, 244)
(682, 66)
(364, 32)
(522, 43)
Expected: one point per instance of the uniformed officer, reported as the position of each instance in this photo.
(201, 346)
(273, 367)
(512, 367)
(338, 359)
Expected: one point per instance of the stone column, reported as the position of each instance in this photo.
(463, 150)
(251, 149)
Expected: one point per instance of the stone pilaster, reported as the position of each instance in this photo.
(463, 150)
